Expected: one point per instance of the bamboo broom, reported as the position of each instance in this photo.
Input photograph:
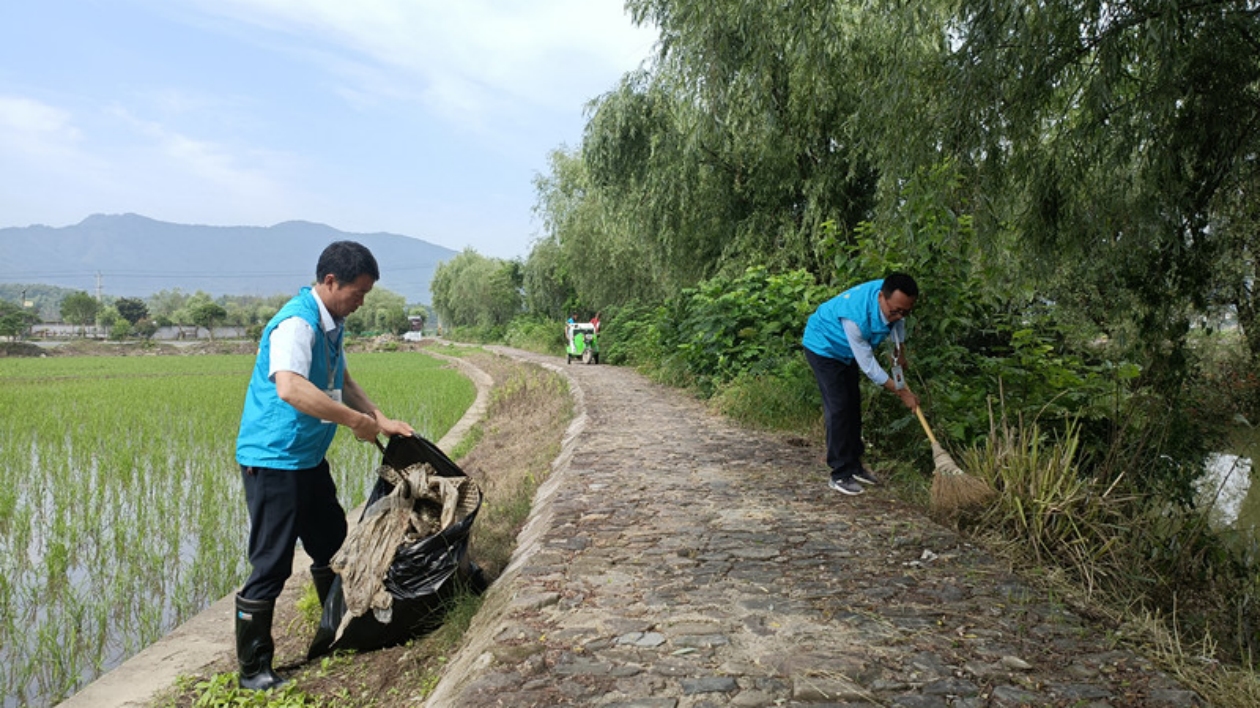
(952, 489)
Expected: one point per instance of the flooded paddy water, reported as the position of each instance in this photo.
(1228, 485)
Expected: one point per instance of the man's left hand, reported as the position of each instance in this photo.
(389, 426)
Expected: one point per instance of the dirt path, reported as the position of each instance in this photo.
(674, 560)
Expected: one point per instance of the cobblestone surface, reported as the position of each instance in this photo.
(676, 561)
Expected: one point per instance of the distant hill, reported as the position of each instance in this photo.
(136, 256)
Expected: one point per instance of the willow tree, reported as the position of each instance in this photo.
(544, 277)
(655, 194)
(382, 311)
(600, 251)
(476, 290)
(79, 308)
(739, 141)
(1128, 132)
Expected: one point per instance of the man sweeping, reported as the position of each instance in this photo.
(840, 341)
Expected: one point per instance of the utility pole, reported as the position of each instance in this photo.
(25, 325)
(98, 286)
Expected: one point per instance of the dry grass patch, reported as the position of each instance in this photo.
(528, 412)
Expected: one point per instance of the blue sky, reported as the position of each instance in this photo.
(428, 118)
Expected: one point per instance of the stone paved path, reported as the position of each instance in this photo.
(675, 561)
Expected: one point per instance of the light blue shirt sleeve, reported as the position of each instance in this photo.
(864, 356)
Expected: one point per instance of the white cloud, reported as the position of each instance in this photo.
(36, 129)
(205, 177)
(201, 159)
(117, 162)
(469, 57)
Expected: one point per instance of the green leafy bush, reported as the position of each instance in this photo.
(631, 335)
(725, 328)
(536, 335)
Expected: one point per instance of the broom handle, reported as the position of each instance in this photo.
(919, 412)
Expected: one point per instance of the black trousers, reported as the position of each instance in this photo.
(842, 412)
(286, 506)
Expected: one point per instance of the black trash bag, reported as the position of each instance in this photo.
(423, 577)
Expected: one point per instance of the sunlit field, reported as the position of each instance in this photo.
(121, 511)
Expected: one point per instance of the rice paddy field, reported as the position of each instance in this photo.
(121, 510)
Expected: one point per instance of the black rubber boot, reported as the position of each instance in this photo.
(322, 576)
(254, 648)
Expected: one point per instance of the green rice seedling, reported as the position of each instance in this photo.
(122, 505)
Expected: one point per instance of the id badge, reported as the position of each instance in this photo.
(898, 377)
(335, 395)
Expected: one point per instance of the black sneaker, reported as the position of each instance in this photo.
(846, 486)
(865, 476)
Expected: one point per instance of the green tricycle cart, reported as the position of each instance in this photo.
(583, 343)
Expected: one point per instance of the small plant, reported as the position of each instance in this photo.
(222, 690)
(308, 606)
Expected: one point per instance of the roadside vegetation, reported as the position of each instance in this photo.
(1074, 186)
(191, 315)
(1095, 469)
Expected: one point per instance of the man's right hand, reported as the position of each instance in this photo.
(364, 426)
(908, 398)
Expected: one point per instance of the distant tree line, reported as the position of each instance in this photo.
(121, 317)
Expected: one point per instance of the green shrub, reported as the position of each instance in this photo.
(536, 335)
(728, 327)
(785, 398)
(119, 330)
(481, 334)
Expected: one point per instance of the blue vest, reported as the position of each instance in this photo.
(824, 334)
(273, 433)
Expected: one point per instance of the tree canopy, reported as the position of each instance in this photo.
(382, 311)
(131, 309)
(79, 308)
(15, 319)
(475, 290)
(1101, 156)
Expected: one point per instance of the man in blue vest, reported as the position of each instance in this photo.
(300, 391)
(840, 341)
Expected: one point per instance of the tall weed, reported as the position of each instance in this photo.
(1138, 554)
(1045, 509)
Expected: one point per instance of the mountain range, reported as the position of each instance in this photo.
(128, 255)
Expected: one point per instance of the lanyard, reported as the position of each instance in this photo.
(332, 350)
(898, 376)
